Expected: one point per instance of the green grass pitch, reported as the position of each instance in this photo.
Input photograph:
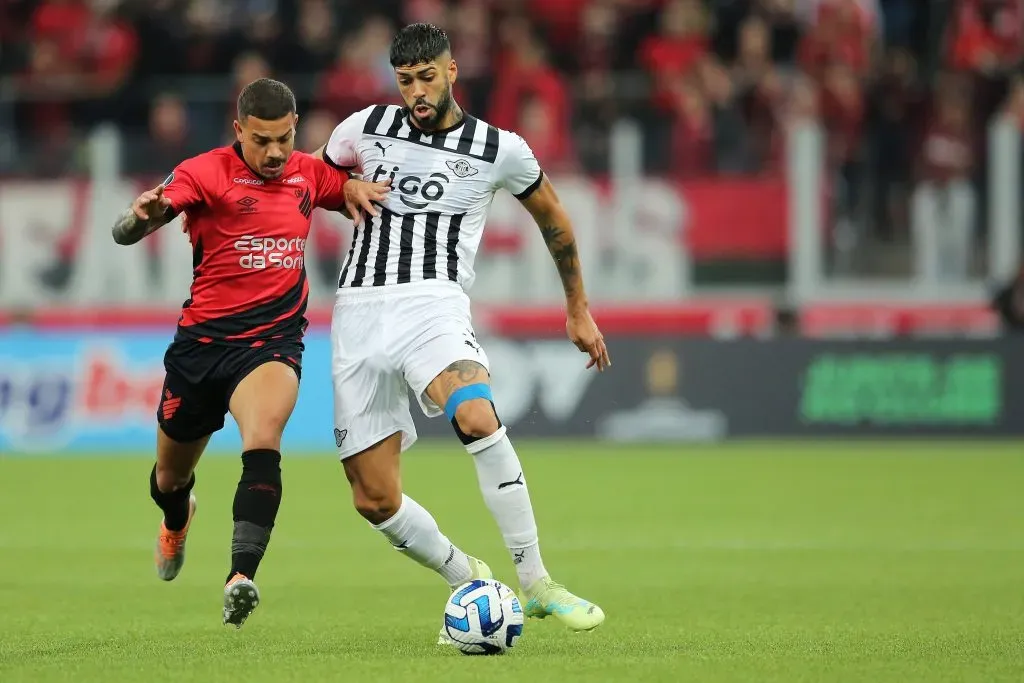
(858, 561)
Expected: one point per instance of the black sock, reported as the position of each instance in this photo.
(257, 500)
(174, 504)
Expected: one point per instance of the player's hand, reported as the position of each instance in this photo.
(151, 203)
(360, 194)
(583, 332)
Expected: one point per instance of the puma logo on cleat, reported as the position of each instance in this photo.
(591, 610)
(404, 545)
(517, 480)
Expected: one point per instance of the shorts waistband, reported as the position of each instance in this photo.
(418, 288)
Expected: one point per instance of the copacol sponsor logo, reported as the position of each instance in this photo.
(269, 252)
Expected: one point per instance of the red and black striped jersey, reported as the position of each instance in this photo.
(248, 238)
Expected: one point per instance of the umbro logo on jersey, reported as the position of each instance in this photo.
(248, 204)
(461, 168)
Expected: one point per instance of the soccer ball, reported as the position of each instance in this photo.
(483, 617)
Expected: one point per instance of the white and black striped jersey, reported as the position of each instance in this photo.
(442, 185)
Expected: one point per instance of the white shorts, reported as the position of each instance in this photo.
(385, 341)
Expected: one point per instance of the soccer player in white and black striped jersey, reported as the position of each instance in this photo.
(402, 317)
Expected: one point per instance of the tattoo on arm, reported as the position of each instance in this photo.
(129, 228)
(562, 247)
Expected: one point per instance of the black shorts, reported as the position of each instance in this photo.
(201, 378)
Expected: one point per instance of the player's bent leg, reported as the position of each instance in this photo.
(464, 391)
(170, 486)
(377, 495)
(261, 404)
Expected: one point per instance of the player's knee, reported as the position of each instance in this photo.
(167, 480)
(376, 505)
(262, 437)
(470, 409)
(476, 419)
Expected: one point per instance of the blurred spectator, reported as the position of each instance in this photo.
(840, 33)
(538, 125)
(730, 150)
(471, 42)
(986, 35)
(526, 72)
(895, 112)
(680, 44)
(313, 45)
(693, 131)
(596, 107)
(758, 83)
(943, 205)
(355, 81)
(168, 139)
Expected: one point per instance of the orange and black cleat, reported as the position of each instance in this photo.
(170, 546)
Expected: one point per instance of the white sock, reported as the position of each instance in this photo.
(504, 488)
(413, 532)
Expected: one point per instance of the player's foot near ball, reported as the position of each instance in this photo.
(170, 546)
(241, 596)
(479, 570)
(547, 598)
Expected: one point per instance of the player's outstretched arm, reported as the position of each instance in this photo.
(556, 229)
(146, 215)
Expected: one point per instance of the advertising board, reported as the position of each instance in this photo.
(64, 392)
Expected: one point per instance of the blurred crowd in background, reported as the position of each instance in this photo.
(904, 88)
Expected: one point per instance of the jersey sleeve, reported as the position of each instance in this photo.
(183, 186)
(341, 151)
(518, 170)
(330, 185)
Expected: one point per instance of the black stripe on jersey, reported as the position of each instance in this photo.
(306, 205)
(437, 139)
(333, 164)
(531, 189)
(380, 264)
(466, 139)
(430, 247)
(283, 315)
(453, 244)
(405, 253)
(351, 252)
(364, 252)
(396, 125)
(374, 119)
(491, 145)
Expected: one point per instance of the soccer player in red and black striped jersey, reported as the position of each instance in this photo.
(238, 347)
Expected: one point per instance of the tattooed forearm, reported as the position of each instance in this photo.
(129, 228)
(562, 246)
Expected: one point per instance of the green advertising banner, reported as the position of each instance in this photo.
(900, 388)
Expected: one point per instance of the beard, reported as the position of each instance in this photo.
(438, 112)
